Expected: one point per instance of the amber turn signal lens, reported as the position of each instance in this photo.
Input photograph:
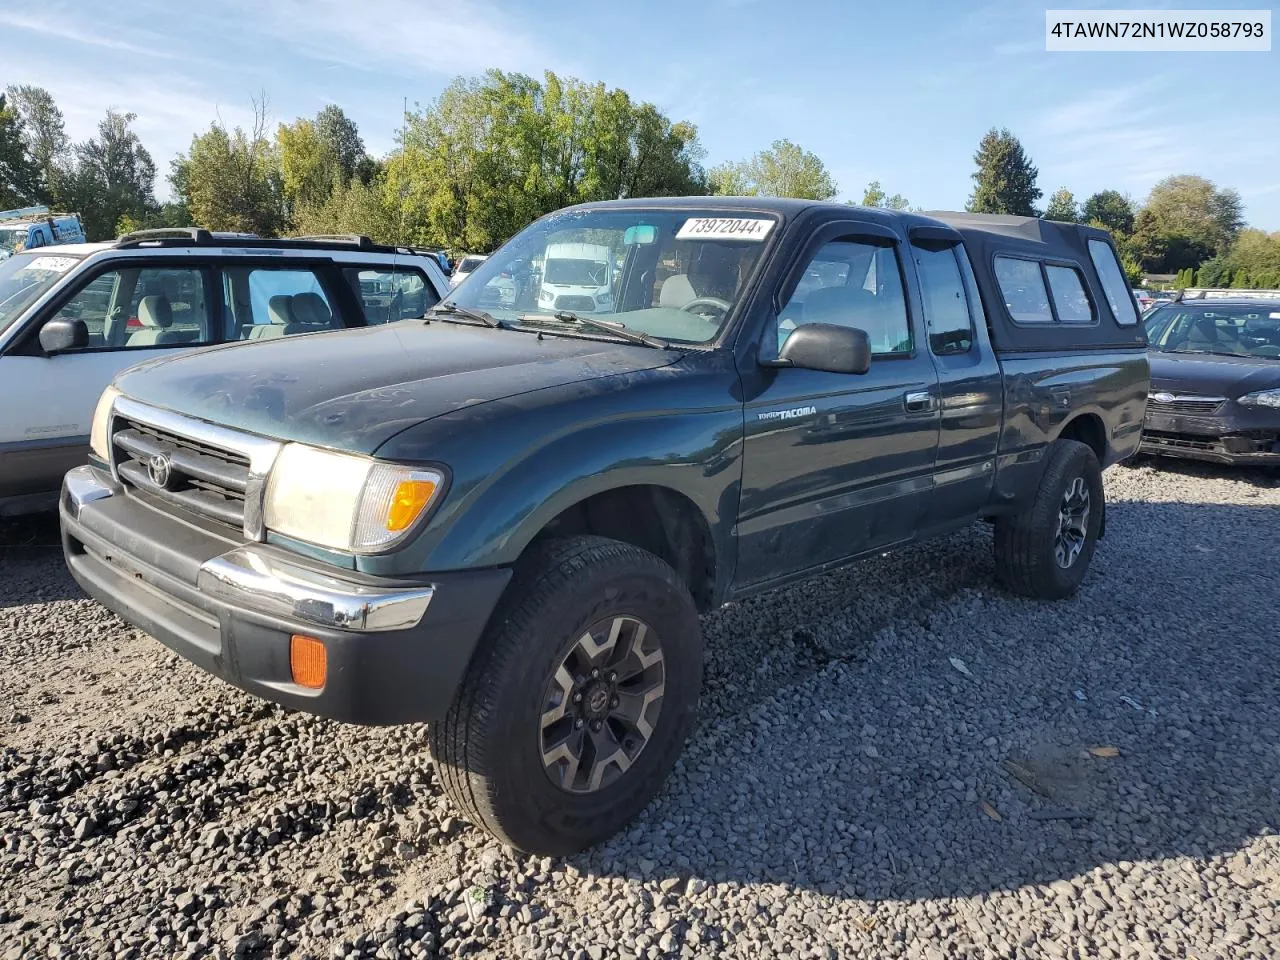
(408, 502)
(307, 661)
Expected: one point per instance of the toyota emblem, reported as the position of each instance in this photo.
(1162, 397)
(159, 469)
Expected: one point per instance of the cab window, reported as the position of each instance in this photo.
(267, 302)
(946, 308)
(388, 294)
(135, 307)
(852, 283)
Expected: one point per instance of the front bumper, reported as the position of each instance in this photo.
(396, 650)
(1223, 438)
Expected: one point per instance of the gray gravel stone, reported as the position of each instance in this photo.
(830, 803)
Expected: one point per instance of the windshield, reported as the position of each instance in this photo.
(11, 239)
(1222, 330)
(576, 273)
(677, 274)
(469, 264)
(24, 277)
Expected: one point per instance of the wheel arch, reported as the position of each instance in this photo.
(660, 519)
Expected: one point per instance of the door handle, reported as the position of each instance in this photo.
(920, 402)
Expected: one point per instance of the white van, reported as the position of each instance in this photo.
(577, 277)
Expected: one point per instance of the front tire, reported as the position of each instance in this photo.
(1044, 552)
(578, 700)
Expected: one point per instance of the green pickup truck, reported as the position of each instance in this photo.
(504, 519)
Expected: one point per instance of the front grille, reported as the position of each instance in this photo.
(575, 302)
(1184, 403)
(203, 479)
(1260, 441)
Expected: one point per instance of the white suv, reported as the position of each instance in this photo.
(75, 315)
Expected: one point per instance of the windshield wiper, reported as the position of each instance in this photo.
(610, 326)
(449, 308)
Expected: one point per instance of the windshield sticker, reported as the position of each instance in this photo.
(724, 228)
(54, 264)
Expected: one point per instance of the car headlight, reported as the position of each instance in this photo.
(345, 502)
(603, 298)
(99, 441)
(1262, 398)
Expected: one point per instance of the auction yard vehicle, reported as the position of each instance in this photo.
(1215, 377)
(73, 317)
(577, 276)
(465, 267)
(506, 523)
(32, 227)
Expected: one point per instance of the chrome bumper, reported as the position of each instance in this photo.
(251, 576)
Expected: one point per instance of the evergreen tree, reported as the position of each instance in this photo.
(1005, 181)
(1062, 207)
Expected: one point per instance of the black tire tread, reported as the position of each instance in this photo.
(1021, 563)
(463, 758)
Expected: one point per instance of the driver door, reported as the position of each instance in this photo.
(838, 464)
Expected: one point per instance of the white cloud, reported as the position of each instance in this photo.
(402, 37)
(52, 22)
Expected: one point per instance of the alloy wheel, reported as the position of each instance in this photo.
(1073, 523)
(602, 704)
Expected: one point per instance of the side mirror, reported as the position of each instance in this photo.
(61, 334)
(828, 347)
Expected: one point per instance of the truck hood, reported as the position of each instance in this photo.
(1212, 375)
(355, 389)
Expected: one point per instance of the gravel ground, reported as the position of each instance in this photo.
(893, 761)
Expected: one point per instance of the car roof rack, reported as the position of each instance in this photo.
(1222, 293)
(358, 239)
(194, 235)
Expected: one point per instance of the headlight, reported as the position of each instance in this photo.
(546, 296)
(1263, 398)
(99, 442)
(346, 502)
(603, 298)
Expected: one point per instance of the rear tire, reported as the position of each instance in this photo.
(1044, 552)
(506, 749)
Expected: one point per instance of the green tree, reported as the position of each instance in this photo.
(785, 170)
(874, 196)
(114, 177)
(1258, 254)
(1062, 207)
(1214, 272)
(1110, 208)
(309, 164)
(353, 207)
(1005, 180)
(44, 134)
(19, 174)
(1186, 220)
(340, 133)
(494, 152)
(230, 180)
(728, 180)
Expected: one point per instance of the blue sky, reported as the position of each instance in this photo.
(898, 92)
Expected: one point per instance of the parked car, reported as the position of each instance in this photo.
(1145, 297)
(73, 317)
(577, 276)
(1215, 378)
(33, 227)
(506, 523)
(465, 267)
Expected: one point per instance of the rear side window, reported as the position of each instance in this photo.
(1114, 285)
(945, 308)
(1069, 297)
(388, 294)
(1022, 286)
(268, 302)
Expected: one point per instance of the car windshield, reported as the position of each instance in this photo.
(469, 264)
(11, 239)
(24, 277)
(1220, 329)
(672, 274)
